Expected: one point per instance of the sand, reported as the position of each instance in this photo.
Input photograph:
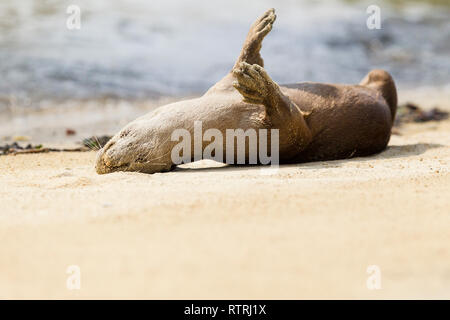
(212, 231)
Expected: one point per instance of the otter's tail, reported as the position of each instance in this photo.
(383, 82)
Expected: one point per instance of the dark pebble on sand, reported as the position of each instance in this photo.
(70, 132)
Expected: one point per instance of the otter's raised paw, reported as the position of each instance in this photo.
(262, 26)
(253, 83)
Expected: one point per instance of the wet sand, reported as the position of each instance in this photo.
(212, 231)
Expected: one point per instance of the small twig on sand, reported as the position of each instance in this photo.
(409, 112)
(89, 144)
(16, 148)
(44, 150)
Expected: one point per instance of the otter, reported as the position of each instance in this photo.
(315, 121)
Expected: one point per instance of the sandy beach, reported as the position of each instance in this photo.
(210, 231)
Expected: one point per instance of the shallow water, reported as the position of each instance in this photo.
(142, 49)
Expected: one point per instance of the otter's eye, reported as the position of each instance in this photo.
(124, 133)
(141, 158)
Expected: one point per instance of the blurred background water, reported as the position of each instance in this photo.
(130, 49)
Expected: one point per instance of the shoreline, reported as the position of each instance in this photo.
(106, 117)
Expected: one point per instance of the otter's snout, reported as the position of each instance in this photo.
(100, 165)
(133, 149)
(104, 163)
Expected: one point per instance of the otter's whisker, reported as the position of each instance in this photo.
(99, 146)
(88, 143)
(159, 157)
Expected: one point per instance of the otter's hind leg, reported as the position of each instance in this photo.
(252, 45)
(257, 87)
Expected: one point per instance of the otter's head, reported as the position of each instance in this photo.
(128, 150)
